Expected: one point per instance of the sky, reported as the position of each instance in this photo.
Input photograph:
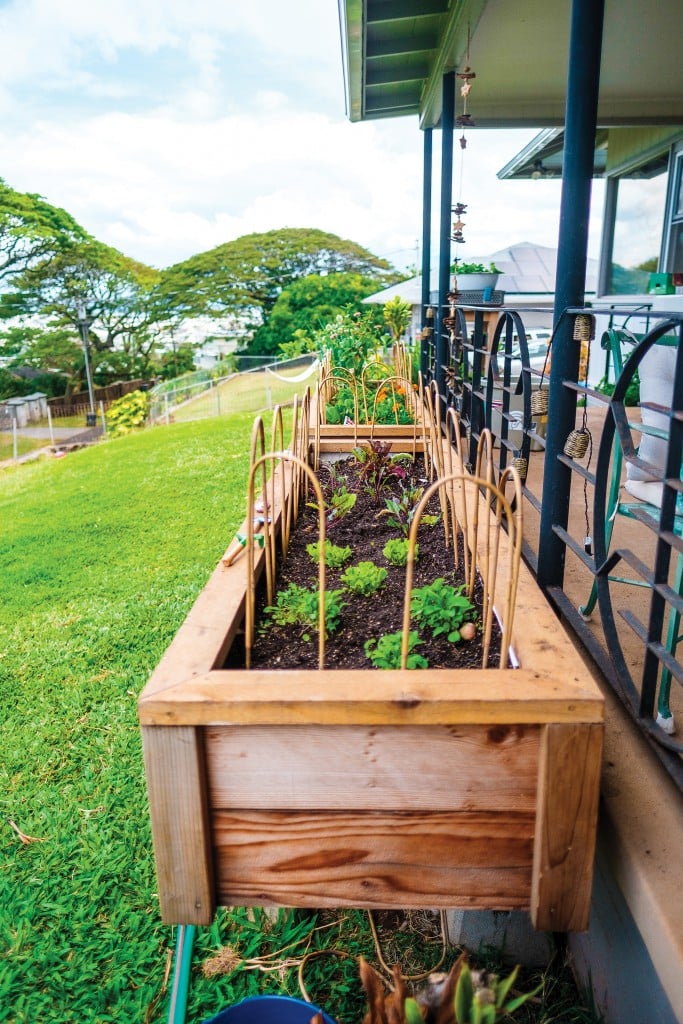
(167, 127)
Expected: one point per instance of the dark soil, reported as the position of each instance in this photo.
(366, 532)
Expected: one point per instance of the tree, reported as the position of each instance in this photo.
(57, 351)
(244, 277)
(112, 289)
(307, 305)
(177, 362)
(31, 231)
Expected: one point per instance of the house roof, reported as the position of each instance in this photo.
(396, 52)
(526, 269)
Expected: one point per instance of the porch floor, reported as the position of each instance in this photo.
(641, 813)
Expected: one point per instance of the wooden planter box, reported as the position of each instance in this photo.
(437, 788)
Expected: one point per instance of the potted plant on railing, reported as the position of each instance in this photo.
(475, 277)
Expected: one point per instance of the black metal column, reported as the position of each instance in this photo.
(426, 247)
(447, 125)
(585, 45)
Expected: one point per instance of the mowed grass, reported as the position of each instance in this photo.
(102, 554)
(24, 445)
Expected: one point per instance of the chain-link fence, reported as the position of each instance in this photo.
(201, 395)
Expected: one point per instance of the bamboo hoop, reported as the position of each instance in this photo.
(497, 503)
(258, 441)
(277, 442)
(250, 603)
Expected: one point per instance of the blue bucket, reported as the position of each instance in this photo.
(269, 1010)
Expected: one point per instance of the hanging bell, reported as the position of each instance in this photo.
(577, 443)
(465, 121)
(584, 327)
(522, 467)
(540, 400)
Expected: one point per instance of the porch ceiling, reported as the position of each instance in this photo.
(396, 52)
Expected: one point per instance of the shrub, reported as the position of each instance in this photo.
(127, 413)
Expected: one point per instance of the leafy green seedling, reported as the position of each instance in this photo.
(334, 556)
(441, 608)
(298, 606)
(386, 652)
(401, 510)
(396, 551)
(365, 578)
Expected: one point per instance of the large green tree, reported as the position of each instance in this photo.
(111, 289)
(307, 305)
(244, 277)
(32, 230)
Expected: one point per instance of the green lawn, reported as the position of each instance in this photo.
(24, 445)
(102, 554)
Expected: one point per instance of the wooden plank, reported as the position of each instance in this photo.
(337, 444)
(384, 768)
(374, 859)
(497, 697)
(178, 800)
(566, 821)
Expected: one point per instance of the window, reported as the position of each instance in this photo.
(637, 227)
(673, 251)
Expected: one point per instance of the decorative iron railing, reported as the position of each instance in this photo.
(623, 543)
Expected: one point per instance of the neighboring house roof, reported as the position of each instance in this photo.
(530, 269)
(526, 269)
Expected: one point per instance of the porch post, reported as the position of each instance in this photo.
(426, 245)
(447, 124)
(585, 44)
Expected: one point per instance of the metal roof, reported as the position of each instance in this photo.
(396, 52)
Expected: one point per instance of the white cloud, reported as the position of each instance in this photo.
(167, 128)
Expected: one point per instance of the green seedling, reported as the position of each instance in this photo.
(396, 551)
(365, 578)
(298, 606)
(386, 652)
(334, 556)
(441, 608)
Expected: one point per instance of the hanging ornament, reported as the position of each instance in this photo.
(463, 141)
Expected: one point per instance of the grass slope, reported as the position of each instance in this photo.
(101, 556)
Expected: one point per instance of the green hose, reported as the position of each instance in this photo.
(182, 962)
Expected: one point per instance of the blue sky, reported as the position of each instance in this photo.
(167, 127)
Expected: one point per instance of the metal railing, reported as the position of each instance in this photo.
(625, 558)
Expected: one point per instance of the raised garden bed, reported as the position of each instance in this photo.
(444, 787)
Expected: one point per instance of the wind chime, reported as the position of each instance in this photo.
(464, 120)
(580, 441)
